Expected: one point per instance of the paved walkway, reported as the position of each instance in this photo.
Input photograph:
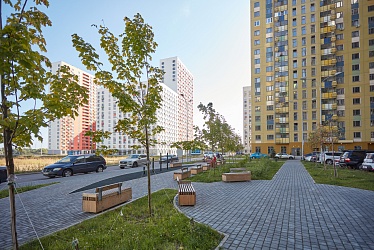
(288, 212)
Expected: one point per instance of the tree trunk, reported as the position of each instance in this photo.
(148, 172)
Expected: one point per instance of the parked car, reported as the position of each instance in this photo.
(368, 163)
(308, 157)
(3, 174)
(328, 157)
(284, 156)
(134, 160)
(258, 155)
(169, 158)
(353, 158)
(74, 164)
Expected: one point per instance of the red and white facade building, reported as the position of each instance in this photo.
(67, 135)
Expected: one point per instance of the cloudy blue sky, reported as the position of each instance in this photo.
(210, 37)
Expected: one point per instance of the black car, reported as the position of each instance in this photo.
(353, 158)
(73, 164)
(3, 174)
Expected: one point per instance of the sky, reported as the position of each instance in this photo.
(210, 37)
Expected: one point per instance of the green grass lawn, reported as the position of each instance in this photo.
(346, 177)
(262, 169)
(130, 227)
(5, 192)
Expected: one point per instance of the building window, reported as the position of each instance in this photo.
(355, 56)
(339, 36)
(270, 137)
(371, 53)
(356, 101)
(257, 33)
(371, 42)
(356, 135)
(257, 23)
(355, 78)
(303, 30)
(356, 33)
(355, 67)
(257, 13)
(294, 32)
(312, 7)
(312, 18)
(257, 42)
(355, 45)
(312, 28)
(340, 47)
(357, 112)
(356, 89)
(294, 22)
(303, 20)
(258, 128)
(257, 4)
(258, 137)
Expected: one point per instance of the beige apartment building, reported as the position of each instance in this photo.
(312, 63)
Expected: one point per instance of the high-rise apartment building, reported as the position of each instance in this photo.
(247, 119)
(108, 115)
(312, 63)
(67, 135)
(175, 114)
(180, 79)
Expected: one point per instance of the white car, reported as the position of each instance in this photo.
(328, 158)
(368, 163)
(134, 160)
(284, 156)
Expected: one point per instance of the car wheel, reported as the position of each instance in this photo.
(121, 167)
(67, 173)
(329, 162)
(135, 164)
(99, 169)
(290, 158)
(51, 177)
(359, 166)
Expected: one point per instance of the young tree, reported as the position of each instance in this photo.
(26, 103)
(130, 62)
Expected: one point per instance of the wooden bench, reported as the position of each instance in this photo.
(186, 194)
(206, 167)
(176, 164)
(182, 174)
(197, 169)
(105, 197)
(237, 174)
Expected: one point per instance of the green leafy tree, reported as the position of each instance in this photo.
(130, 61)
(26, 103)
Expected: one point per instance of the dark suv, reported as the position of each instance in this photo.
(353, 158)
(73, 164)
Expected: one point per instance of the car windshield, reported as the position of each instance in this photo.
(67, 159)
(370, 156)
(133, 157)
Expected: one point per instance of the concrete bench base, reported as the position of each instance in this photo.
(236, 176)
(206, 167)
(105, 197)
(196, 170)
(182, 174)
(186, 194)
(176, 164)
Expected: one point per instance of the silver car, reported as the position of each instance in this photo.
(134, 160)
(368, 163)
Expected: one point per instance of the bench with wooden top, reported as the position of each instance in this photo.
(175, 164)
(182, 174)
(197, 169)
(206, 167)
(105, 197)
(186, 193)
(237, 174)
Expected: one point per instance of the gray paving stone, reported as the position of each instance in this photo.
(288, 212)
